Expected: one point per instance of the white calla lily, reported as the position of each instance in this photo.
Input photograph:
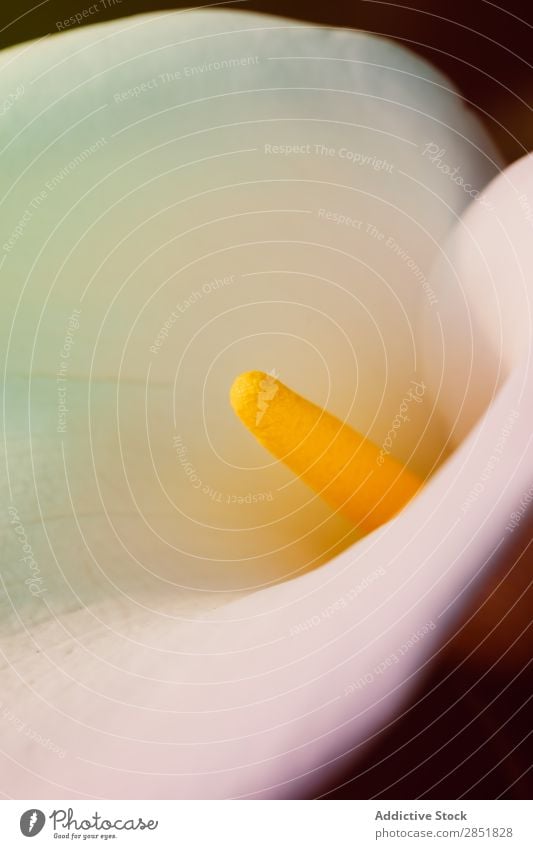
(186, 196)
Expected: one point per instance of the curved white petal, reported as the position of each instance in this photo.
(162, 231)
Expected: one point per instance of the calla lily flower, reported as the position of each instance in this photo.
(186, 196)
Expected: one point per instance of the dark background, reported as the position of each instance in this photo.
(466, 731)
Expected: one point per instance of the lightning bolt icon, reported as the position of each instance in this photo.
(33, 820)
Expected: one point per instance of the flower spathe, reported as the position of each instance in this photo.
(191, 194)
